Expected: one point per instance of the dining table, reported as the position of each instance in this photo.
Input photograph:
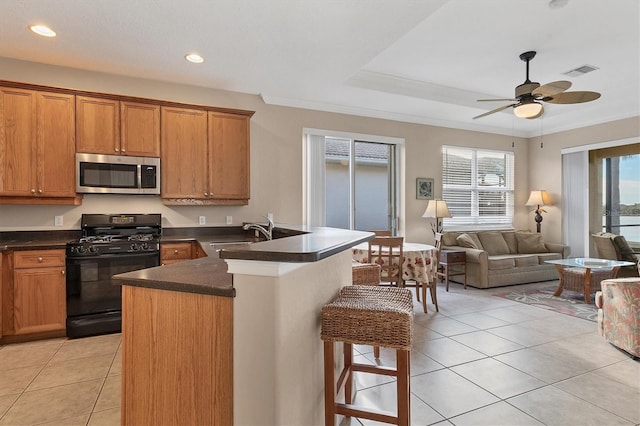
(419, 265)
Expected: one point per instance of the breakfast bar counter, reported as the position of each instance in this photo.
(233, 340)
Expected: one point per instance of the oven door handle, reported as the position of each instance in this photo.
(115, 256)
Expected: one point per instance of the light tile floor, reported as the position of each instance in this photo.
(481, 360)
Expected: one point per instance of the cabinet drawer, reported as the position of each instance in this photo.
(38, 258)
(170, 251)
(453, 256)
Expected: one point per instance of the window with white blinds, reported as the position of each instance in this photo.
(477, 185)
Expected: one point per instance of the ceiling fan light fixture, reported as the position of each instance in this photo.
(42, 30)
(528, 110)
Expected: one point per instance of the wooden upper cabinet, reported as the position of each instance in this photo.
(112, 127)
(97, 125)
(56, 131)
(205, 157)
(228, 156)
(17, 142)
(184, 153)
(37, 145)
(139, 129)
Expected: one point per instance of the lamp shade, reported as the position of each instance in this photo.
(528, 110)
(539, 198)
(437, 209)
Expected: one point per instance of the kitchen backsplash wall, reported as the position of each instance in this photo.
(42, 217)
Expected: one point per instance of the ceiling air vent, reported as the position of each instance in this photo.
(577, 72)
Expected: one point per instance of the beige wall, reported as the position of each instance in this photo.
(276, 157)
(545, 163)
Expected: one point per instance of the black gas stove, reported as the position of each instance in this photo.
(110, 244)
(105, 234)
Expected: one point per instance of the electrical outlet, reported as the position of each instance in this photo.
(229, 220)
(57, 221)
(202, 220)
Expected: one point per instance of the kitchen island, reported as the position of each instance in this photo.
(206, 346)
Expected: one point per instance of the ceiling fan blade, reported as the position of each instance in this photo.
(552, 88)
(492, 100)
(573, 97)
(493, 111)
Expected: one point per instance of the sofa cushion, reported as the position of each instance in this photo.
(510, 238)
(501, 262)
(548, 256)
(526, 260)
(530, 243)
(449, 238)
(493, 243)
(469, 241)
(623, 248)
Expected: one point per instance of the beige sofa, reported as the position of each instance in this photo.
(499, 258)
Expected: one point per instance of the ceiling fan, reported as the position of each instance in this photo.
(529, 95)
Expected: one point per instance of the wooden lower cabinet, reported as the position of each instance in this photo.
(34, 293)
(177, 358)
(179, 252)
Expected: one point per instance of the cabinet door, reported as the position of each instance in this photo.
(184, 153)
(55, 136)
(97, 126)
(39, 302)
(17, 142)
(139, 129)
(228, 156)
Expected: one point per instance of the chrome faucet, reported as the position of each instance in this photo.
(267, 232)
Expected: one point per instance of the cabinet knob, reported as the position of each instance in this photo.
(33, 191)
(122, 150)
(40, 259)
(62, 272)
(116, 150)
(175, 251)
(39, 191)
(206, 194)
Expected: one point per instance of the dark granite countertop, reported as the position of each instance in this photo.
(209, 275)
(37, 240)
(311, 244)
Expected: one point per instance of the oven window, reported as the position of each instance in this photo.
(90, 289)
(106, 175)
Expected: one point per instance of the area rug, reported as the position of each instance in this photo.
(571, 303)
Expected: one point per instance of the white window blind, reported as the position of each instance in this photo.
(477, 185)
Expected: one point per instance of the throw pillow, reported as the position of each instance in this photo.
(623, 248)
(494, 243)
(510, 238)
(529, 243)
(465, 240)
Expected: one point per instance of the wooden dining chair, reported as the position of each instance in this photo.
(382, 232)
(387, 252)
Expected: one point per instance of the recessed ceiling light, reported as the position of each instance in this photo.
(195, 58)
(42, 30)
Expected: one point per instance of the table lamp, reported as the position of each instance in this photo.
(539, 198)
(437, 209)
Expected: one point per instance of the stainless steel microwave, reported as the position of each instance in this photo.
(115, 174)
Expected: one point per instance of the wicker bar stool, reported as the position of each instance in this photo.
(368, 315)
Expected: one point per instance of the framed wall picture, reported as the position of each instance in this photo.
(424, 188)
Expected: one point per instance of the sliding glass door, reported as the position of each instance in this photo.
(359, 181)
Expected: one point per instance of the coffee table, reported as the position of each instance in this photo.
(583, 266)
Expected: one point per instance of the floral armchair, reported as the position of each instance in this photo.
(619, 313)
